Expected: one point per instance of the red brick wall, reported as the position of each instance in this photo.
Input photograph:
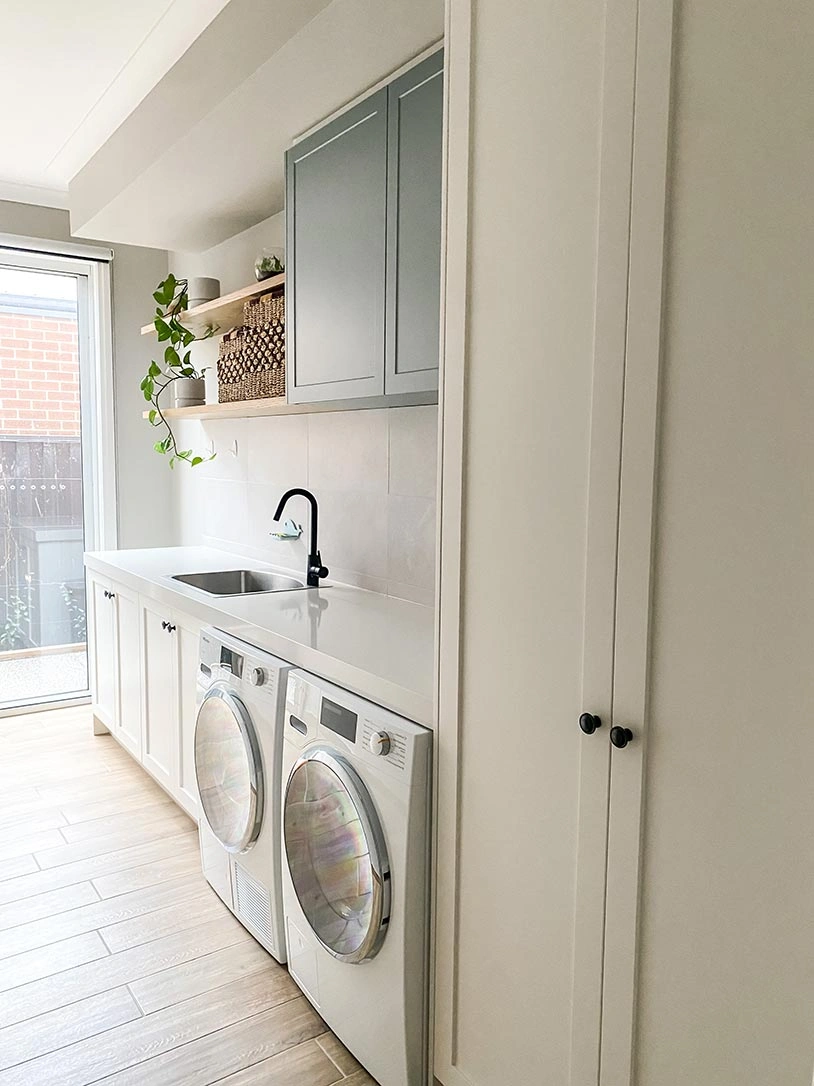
(39, 375)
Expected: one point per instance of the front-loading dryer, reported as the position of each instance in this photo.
(238, 742)
(355, 872)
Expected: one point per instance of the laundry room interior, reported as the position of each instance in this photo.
(405, 596)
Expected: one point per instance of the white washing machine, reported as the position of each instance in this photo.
(356, 801)
(238, 745)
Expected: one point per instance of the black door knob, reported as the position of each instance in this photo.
(589, 723)
(620, 737)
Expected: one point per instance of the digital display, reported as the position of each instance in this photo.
(338, 719)
(232, 660)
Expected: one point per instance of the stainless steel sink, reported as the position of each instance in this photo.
(238, 582)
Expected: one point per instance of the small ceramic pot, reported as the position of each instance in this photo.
(189, 392)
(202, 290)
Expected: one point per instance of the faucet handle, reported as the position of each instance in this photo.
(316, 568)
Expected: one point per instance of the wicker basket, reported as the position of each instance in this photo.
(251, 359)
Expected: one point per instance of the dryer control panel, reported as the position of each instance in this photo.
(315, 709)
(223, 658)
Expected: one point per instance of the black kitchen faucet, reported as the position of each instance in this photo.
(315, 567)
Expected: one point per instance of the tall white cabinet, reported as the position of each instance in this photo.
(611, 915)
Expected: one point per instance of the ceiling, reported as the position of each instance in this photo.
(262, 73)
(164, 123)
(71, 71)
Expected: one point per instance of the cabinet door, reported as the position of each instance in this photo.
(414, 162)
(160, 713)
(128, 670)
(103, 651)
(188, 635)
(336, 185)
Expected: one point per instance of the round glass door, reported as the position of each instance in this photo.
(229, 769)
(336, 855)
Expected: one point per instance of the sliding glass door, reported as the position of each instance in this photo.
(51, 370)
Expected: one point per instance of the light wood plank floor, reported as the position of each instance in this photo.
(118, 964)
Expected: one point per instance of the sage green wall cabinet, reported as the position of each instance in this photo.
(336, 182)
(363, 207)
(414, 156)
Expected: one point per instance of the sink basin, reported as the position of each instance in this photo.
(238, 582)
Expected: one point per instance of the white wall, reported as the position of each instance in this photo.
(727, 976)
(373, 472)
(145, 494)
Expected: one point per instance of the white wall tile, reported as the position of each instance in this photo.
(413, 451)
(411, 540)
(278, 450)
(226, 511)
(224, 433)
(379, 541)
(348, 450)
(353, 531)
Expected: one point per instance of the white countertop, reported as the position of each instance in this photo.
(377, 646)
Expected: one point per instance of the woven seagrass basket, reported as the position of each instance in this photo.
(251, 359)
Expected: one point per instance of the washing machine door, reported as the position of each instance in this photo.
(336, 855)
(229, 769)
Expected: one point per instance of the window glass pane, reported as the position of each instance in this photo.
(42, 584)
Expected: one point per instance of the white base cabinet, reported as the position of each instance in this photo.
(144, 660)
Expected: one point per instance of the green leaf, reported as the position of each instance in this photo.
(171, 357)
(154, 370)
(162, 328)
(159, 446)
(152, 416)
(196, 460)
(187, 371)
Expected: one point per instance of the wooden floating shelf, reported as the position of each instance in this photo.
(252, 409)
(222, 313)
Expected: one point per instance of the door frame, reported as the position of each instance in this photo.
(634, 575)
(91, 267)
(630, 245)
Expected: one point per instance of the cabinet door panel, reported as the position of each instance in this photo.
(128, 667)
(103, 633)
(188, 635)
(160, 716)
(415, 124)
(336, 182)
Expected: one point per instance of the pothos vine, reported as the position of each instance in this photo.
(172, 300)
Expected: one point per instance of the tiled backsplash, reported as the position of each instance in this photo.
(373, 474)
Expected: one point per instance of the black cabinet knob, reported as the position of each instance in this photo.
(589, 723)
(164, 624)
(170, 628)
(620, 737)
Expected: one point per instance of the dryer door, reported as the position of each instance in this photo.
(229, 769)
(337, 855)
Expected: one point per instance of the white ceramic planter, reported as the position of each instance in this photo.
(202, 289)
(189, 392)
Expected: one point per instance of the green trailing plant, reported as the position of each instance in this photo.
(74, 599)
(172, 301)
(13, 630)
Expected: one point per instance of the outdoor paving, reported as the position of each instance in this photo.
(34, 678)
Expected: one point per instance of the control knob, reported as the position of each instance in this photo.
(379, 743)
(257, 676)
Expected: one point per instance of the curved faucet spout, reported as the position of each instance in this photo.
(315, 567)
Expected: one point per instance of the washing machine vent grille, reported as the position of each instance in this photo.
(253, 904)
